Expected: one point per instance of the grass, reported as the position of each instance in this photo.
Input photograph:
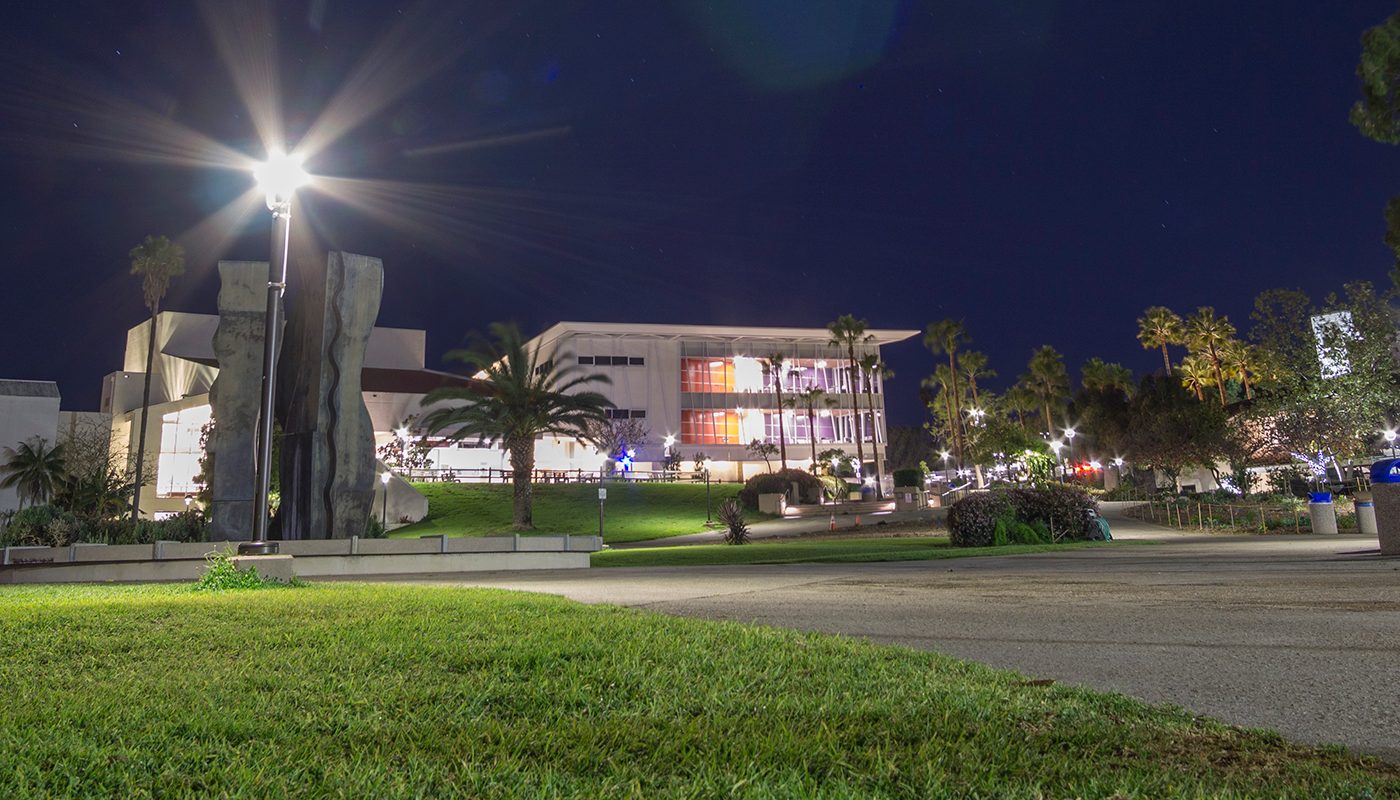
(826, 552)
(632, 512)
(406, 692)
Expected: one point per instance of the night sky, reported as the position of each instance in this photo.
(1044, 170)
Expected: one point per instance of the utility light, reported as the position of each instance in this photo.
(280, 176)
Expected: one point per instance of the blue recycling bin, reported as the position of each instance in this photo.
(1385, 494)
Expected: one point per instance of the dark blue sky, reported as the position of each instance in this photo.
(1044, 170)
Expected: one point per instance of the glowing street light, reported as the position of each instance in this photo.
(384, 479)
(1390, 442)
(279, 178)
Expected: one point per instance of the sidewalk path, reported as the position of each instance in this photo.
(794, 526)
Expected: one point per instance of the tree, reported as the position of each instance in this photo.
(773, 366)
(1377, 115)
(943, 337)
(1208, 335)
(34, 469)
(765, 451)
(871, 368)
(616, 438)
(1159, 327)
(847, 332)
(810, 398)
(1242, 360)
(522, 397)
(1021, 401)
(97, 480)
(942, 381)
(1098, 376)
(974, 366)
(1047, 379)
(908, 446)
(1197, 374)
(1169, 430)
(156, 260)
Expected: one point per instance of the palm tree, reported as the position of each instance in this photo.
(942, 377)
(871, 367)
(1196, 374)
(1048, 379)
(773, 365)
(35, 468)
(1022, 401)
(1241, 361)
(847, 332)
(943, 337)
(973, 366)
(810, 398)
(1209, 335)
(523, 397)
(1100, 376)
(1159, 327)
(156, 260)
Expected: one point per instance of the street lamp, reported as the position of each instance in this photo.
(1056, 446)
(1390, 442)
(1070, 433)
(384, 479)
(279, 177)
(706, 463)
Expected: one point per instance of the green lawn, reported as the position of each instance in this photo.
(632, 512)
(344, 690)
(826, 552)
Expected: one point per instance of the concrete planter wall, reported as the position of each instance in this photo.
(772, 504)
(910, 498)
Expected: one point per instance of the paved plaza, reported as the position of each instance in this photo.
(1294, 633)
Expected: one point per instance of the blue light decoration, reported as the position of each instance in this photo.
(626, 462)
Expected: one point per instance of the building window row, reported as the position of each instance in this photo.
(742, 426)
(614, 361)
(626, 413)
(742, 374)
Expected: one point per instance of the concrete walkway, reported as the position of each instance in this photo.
(795, 526)
(1294, 633)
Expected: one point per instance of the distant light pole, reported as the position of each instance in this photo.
(1057, 446)
(1070, 433)
(1118, 470)
(279, 178)
(706, 462)
(384, 480)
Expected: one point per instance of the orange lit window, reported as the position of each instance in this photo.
(710, 427)
(707, 375)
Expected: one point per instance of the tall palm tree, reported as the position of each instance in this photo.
(871, 367)
(1048, 379)
(1209, 335)
(943, 337)
(34, 468)
(1196, 374)
(773, 366)
(942, 378)
(1159, 327)
(156, 260)
(810, 398)
(974, 366)
(848, 332)
(523, 397)
(1242, 361)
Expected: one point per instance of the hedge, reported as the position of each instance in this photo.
(776, 483)
(1067, 512)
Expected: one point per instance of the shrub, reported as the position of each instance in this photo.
(909, 476)
(776, 483)
(1024, 516)
(732, 515)
(223, 576)
(375, 529)
(30, 526)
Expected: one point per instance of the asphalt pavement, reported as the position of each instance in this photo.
(1293, 633)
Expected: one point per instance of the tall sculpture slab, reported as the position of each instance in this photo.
(238, 344)
(327, 474)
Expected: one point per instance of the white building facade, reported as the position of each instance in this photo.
(704, 389)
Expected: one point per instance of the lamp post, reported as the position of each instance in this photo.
(1057, 446)
(384, 481)
(1118, 470)
(1390, 442)
(707, 491)
(1069, 434)
(279, 178)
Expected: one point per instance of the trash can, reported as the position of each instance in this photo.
(1365, 514)
(1385, 493)
(1324, 514)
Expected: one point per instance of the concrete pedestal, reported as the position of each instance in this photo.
(1324, 517)
(909, 498)
(1387, 510)
(274, 567)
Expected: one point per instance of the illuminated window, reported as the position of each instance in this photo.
(710, 427)
(178, 464)
(707, 375)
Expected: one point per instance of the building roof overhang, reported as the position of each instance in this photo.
(631, 329)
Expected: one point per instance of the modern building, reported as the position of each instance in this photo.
(394, 382)
(704, 389)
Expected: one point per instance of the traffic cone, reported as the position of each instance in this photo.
(833, 520)
(857, 520)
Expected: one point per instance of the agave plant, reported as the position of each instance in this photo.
(737, 531)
